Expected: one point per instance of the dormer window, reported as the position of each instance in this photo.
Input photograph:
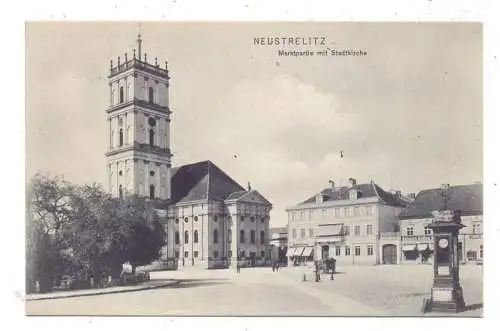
(353, 194)
(319, 198)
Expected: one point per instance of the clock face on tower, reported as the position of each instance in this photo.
(443, 243)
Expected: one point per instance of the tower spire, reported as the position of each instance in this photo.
(139, 41)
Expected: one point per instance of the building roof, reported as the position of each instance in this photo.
(466, 198)
(200, 181)
(369, 190)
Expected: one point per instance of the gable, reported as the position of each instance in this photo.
(252, 196)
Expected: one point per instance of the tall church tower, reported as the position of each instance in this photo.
(138, 122)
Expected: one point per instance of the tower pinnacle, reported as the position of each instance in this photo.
(139, 42)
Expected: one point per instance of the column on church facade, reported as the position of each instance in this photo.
(158, 188)
(117, 179)
(167, 133)
(234, 227)
(110, 137)
(125, 129)
(147, 169)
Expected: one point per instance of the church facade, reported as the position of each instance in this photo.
(209, 218)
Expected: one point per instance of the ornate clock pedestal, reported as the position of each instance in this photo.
(446, 293)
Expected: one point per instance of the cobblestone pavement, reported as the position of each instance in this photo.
(397, 290)
(356, 291)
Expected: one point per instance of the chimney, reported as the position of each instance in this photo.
(397, 194)
(332, 183)
(249, 187)
(352, 181)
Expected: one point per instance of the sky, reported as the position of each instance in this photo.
(408, 115)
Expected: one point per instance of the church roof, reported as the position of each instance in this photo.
(200, 181)
(466, 198)
(369, 190)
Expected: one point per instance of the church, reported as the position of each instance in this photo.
(210, 219)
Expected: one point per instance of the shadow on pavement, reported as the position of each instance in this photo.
(191, 279)
(195, 283)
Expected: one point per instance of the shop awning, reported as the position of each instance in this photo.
(298, 251)
(423, 247)
(290, 251)
(409, 247)
(307, 251)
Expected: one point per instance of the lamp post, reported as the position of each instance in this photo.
(446, 293)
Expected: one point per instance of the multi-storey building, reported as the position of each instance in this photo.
(208, 217)
(416, 237)
(344, 223)
(278, 243)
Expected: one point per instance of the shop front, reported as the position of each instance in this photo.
(421, 252)
(300, 255)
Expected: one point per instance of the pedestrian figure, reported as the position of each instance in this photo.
(274, 266)
(333, 263)
(316, 270)
(277, 266)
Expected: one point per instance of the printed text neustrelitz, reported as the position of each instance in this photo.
(289, 41)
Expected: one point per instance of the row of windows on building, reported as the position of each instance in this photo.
(215, 254)
(410, 230)
(229, 218)
(357, 250)
(346, 231)
(332, 212)
(151, 191)
(151, 95)
(215, 237)
(152, 133)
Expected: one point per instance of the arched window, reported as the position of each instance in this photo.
(186, 237)
(151, 191)
(121, 137)
(121, 94)
(177, 238)
(195, 236)
(216, 236)
(229, 236)
(151, 95)
(242, 236)
(151, 137)
(120, 192)
(262, 237)
(252, 237)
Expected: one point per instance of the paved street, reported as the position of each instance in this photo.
(366, 291)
